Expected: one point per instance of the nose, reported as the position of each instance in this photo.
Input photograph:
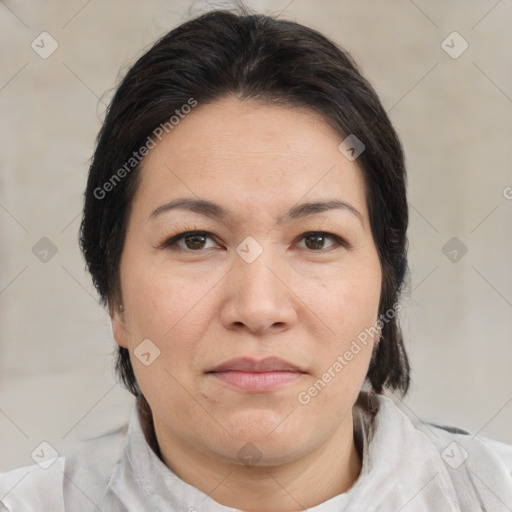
(257, 297)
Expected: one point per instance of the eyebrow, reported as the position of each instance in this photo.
(216, 211)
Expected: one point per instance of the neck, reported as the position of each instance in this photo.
(326, 472)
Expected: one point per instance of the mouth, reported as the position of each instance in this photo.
(257, 376)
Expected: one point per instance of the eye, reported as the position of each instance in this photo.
(193, 241)
(196, 241)
(316, 240)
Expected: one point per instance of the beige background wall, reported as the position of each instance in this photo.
(454, 117)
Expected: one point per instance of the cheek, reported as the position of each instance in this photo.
(349, 306)
(342, 361)
(349, 303)
(171, 311)
(162, 303)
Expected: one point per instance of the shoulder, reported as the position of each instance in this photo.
(32, 488)
(452, 442)
(440, 468)
(482, 447)
(71, 482)
(480, 469)
(478, 466)
(484, 451)
(502, 451)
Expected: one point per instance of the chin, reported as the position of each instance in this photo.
(270, 434)
(258, 422)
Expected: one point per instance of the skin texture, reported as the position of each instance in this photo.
(202, 304)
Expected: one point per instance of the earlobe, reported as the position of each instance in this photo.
(118, 326)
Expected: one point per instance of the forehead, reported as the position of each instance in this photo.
(253, 155)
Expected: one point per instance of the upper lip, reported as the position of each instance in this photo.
(247, 364)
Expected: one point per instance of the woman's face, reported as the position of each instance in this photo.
(271, 278)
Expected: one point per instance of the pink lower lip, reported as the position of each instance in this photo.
(257, 381)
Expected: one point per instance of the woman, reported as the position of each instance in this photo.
(245, 223)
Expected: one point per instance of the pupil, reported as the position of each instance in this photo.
(195, 241)
(317, 241)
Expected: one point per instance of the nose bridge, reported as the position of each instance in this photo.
(257, 296)
(254, 270)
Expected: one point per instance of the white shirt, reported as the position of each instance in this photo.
(406, 466)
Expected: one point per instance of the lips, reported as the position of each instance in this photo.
(246, 364)
(253, 376)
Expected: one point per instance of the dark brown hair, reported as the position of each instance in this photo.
(250, 56)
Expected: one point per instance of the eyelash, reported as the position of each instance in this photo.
(171, 243)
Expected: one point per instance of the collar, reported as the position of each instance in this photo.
(402, 469)
(141, 479)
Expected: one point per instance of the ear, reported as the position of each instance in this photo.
(119, 330)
